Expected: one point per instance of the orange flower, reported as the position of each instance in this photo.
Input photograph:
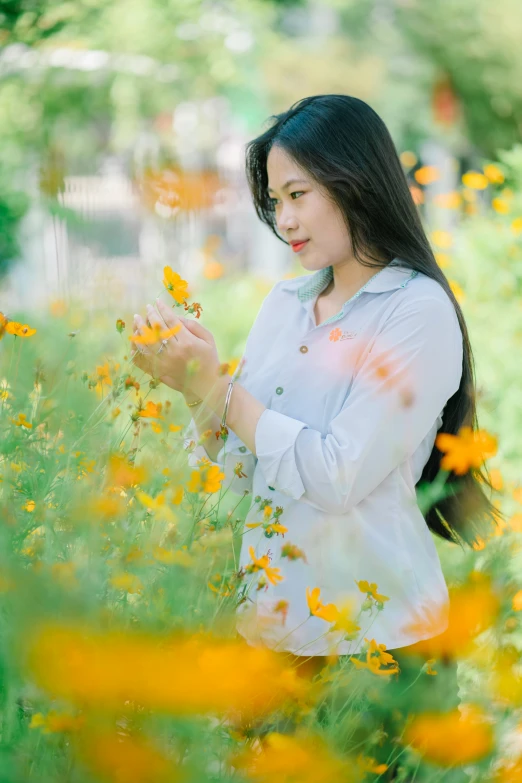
(292, 552)
(122, 473)
(427, 174)
(304, 757)
(3, 324)
(335, 335)
(121, 758)
(19, 330)
(55, 722)
(467, 449)
(473, 607)
(102, 377)
(471, 735)
(175, 285)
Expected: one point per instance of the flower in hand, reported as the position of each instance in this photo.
(188, 361)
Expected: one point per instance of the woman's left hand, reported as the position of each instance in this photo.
(189, 361)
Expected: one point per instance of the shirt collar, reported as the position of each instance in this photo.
(395, 275)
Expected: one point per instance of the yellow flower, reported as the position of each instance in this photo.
(471, 733)
(175, 285)
(494, 174)
(451, 200)
(328, 612)
(475, 180)
(516, 225)
(371, 589)
(29, 506)
(303, 757)
(517, 602)
(408, 158)
(118, 757)
(55, 722)
(376, 657)
(102, 377)
(129, 583)
(19, 330)
(21, 421)
(207, 479)
(263, 563)
(466, 449)
(442, 239)
(158, 505)
(153, 334)
(181, 557)
(457, 290)
(443, 260)
(152, 410)
(500, 205)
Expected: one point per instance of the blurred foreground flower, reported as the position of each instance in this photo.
(467, 449)
(175, 674)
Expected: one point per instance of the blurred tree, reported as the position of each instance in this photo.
(475, 44)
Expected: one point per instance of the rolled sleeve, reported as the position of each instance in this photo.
(411, 368)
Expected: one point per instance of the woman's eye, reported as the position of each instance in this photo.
(295, 193)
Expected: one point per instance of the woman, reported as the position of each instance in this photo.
(349, 374)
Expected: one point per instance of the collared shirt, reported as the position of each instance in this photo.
(353, 406)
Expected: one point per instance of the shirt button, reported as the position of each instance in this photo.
(272, 488)
(242, 448)
(303, 349)
(279, 390)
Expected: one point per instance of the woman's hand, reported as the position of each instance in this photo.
(189, 361)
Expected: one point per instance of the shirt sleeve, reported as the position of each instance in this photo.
(408, 373)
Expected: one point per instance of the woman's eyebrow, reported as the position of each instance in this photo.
(287, 184)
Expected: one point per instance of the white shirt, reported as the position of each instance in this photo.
(353, 409)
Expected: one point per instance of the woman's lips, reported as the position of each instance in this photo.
(297, 248)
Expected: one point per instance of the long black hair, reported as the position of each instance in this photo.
(346, 147)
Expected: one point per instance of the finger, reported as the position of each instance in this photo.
(170, 318)
(154, 318)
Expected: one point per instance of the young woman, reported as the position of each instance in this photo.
(349, 374)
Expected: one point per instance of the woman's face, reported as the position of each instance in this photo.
(304, 211)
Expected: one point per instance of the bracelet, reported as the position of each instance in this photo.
(227, 400)
(191, 404)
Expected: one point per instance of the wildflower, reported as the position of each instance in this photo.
(158, 505)
(466, 449)
(152, 410)
(19, 330)
(368, 764)
(176, 673)
(517, 602)
(281, 607)
(292, 552)
(153, 334)
(3, 324)
(374, 663)
(102, 377)
(120, 325)
(123, 473)
(129, 583)
(475, 180)
(21, 421)
(182, 557)
(516, 225)
(175, 285)
(207, 479)
(344, 621)
(501, 206)
(452, 200)
(429, 664)
(494, 174)
(457, 290)
(371, 590)
(427, 174)
(328, 612)
(118, 757)
(29, 506)
(408, 158)
(473, 607)
(442, 239)
(55, 722)
(263, 563)
(471, 736)
(304, 757)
